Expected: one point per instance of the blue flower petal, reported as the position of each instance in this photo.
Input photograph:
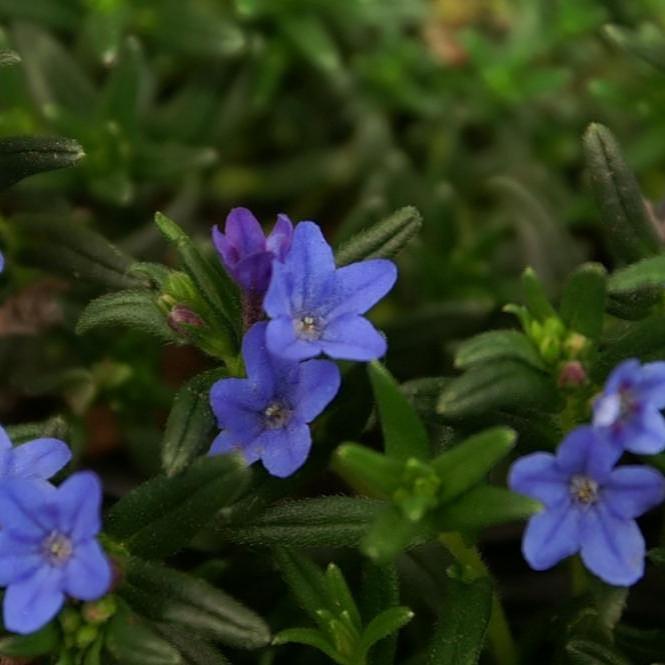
(5, 441)
(40, 458)
(23, 507)
(319, 381)
(652, 384)
(19, 558)
(539, 477)
(279, 240)
(237, 404)
(588, 451)
(352, 337)
(285, 450)
(632, 490)
(552, 535)
(79, 502)
(282, 341)
(359, 286)
(33, 602)
(606, 409)
(88, 574)
(243, 232)
(226, 442)
(612, 547)
(304, 280)
(643, 434)
(624, 376)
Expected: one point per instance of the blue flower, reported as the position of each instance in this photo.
(589, 507)
(266, 415)
(317, 308)
(628, 409)
(40, 458)
(48, 548)
(246, 252)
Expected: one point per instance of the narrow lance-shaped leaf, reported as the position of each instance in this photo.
(379, 591)
(630, 232)
(536, 299)
(482, 507)
(383, 625)
(190, 422)
(167, 595)
(73, 250)
(39, 643)
(334, 521)
(462, 626)
(384, 239)
(23, 156)
(585, 652)
(583, 303)
(469, 462)
(368, 471)
(137, 310)
(404, 435)
(501, 384)
(162, 515)
(195, 652)
(497, 344)
(644, 274)
(647, 42)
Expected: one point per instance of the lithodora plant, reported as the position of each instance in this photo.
(294, 387)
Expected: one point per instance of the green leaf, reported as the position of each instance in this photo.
(583, 303)
(634, 305)
(500, 384)
(166, 595)
(334, 521)
(340, 595)
(484, 506)
(469, 462)
(162, 515)
(368, 471)
(631, 234)
(75, 251)
(39, 643)
(23, 156)
(53, 428)
(190, 421)
(136, 310)
(643, 339)
(305, 580)
(383, 625)
(497, 345)
(384, 239)
(9, 58)
(647, 42)
(213, 284)
(643, 274)
(309, 637)
(586, 652)
(404, 435)
(390, 534)
(195, 652)
(132, 641)
(535, 297)
(463, 621)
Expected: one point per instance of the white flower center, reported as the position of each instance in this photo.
(584, 490)
(57, 548)
(308, 327)
(277, 415)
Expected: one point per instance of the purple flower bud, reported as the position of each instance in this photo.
(181, 317)
(247, 254)
(572, 374)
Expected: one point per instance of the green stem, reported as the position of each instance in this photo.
(499, 635)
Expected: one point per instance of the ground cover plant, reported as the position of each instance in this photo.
(332, 332)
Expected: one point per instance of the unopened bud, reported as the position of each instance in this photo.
(181, 318)
(572, 374)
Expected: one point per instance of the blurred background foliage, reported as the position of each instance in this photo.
(339, 112)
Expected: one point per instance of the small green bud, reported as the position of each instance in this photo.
(70, 620)
(99, 611)
(86, 635)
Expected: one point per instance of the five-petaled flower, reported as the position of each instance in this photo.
(48, 548)
(40, 458)
(589, 506)
(266, 416)
(317, 308)
(628, 409)
(247, 253)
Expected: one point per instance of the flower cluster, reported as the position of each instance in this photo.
(48, 544)
(313, 307)
(590, 505)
